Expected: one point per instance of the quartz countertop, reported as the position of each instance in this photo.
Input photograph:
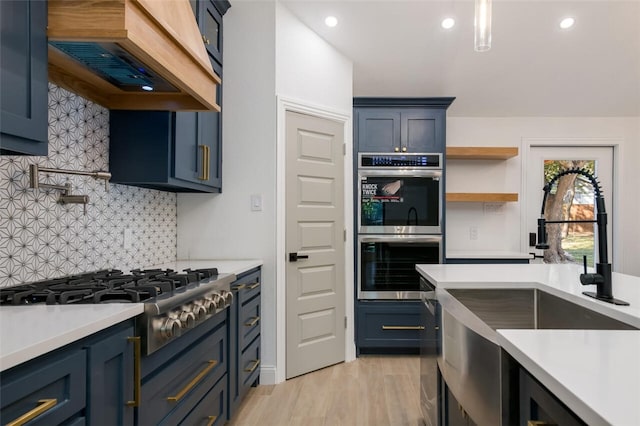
(464, 254)
(594, 372)
(27, 332)
(227, 266)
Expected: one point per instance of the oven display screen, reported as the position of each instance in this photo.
(399, 201)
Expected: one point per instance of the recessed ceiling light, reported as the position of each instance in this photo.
(147, 88)
(331, 21)
(448, 23)
(567, 23)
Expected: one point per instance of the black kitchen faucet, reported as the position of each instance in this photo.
(602, 277)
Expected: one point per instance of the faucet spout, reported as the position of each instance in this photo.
(602, 278)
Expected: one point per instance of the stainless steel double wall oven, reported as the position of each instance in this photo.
(399, 214)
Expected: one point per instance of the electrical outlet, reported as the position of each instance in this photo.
(473, 233)
(256, 203)
(127, 240)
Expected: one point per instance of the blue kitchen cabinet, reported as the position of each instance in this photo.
(186, 383)
(181, 151)
(389, 326)
(23, 77)
(244, 337)
(86, 382)
(400, 124)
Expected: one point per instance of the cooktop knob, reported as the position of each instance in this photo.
(199, 309)
(217, 301)
(187, 319)
(208, 305)
(228, 297)
(169, 327)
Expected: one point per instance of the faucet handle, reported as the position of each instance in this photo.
(584, 262)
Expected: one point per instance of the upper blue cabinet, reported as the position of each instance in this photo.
(174, 151)
(400, 124)
(23, 77)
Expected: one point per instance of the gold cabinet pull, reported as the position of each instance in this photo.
(252, 286)
(211, 363)
(404, 149)
(238, 286)
(255, 365)
(403, 327)
(137, 379)
(539, 423)
(206, 40)
(212, 420)
(207, 163)
(203, 171)
(253, 322)
(396, 149)
(44, 406)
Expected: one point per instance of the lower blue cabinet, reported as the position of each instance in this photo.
(388, 325)
(85, 382)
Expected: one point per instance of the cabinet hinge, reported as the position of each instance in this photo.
(345, 322)
(344, 149)
(344, 234)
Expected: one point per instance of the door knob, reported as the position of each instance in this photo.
(293, 257)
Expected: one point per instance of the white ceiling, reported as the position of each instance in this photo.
(534, 68)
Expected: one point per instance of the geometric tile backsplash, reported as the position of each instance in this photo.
(41, 239)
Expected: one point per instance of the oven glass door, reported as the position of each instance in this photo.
(399, 203)
(387, 264)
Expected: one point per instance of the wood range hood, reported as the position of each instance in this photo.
(131, 54)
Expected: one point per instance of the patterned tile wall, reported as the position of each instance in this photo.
(41, 239)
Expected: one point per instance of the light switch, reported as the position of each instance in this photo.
(256, 203)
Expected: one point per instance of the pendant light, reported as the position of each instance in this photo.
(482, 26)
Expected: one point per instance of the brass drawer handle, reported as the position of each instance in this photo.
(203, 170)
(45, 405)
(137, 382)
(539, 423)
(252, 286)
(206, 40)
(403, 327)
(208, 162)
(253, 322)
(255, 365)
(195, 381)
(212, 420)
(238, 287)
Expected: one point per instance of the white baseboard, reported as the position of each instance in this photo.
(268, 375)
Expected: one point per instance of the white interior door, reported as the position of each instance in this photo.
(315, 288)
(577, 239)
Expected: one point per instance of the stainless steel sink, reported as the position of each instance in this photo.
(471, 359)
(532, 309)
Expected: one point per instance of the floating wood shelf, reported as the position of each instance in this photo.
(482, 197)
(481, 153)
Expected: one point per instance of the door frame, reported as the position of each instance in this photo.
(285, 104)
(615, 253)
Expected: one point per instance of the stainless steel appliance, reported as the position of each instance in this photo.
(399, 193)
(399, 225)
(174, 302)
(387, 264)
(430, 348)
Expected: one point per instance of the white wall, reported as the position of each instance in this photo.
(223, 226)
(503, 232)
(267, 53)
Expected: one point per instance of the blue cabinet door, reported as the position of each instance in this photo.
(23, 77)
(386, 325)
(423, 130)
(378, 130)
(110, 378)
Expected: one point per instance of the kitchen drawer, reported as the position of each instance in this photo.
(248, 287)
(389, 324)
(171, 392)
(249, 322)
(211, 409)
(249, 365)
(59, 378)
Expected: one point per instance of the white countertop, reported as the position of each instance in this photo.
(227, 266)
(27, 332)
(596, 373)
(464, 254)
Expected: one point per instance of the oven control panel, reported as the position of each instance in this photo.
(421, 161)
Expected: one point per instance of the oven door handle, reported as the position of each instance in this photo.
(401, 239)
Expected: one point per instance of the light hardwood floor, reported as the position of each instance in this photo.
(370, 391)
